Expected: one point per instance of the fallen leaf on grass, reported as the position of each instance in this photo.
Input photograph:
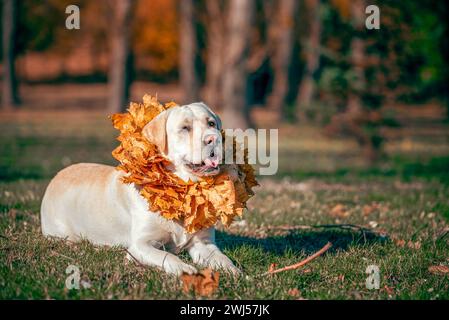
(294, 292)
(368, 209)
(374, 207)
(339, 211)
(439, 269)
(414, 245)
(400, 242)
(389, 290)
(204, 283)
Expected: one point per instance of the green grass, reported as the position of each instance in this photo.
(403, 198)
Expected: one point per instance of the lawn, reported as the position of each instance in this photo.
(323, 183)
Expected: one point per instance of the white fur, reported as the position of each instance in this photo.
(89, 201)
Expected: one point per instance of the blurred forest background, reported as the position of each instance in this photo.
(363, 136)
(259, 63)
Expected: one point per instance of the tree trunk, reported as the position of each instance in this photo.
(9, 90)
(282, 55)
(120, 73)
(235, 108)
(443, 10)
(187, 52)
(357, 56)
(215, 49)
(307, 86)
(356, 115)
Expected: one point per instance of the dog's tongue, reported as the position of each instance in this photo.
(211, 162)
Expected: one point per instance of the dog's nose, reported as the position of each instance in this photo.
(210, 139)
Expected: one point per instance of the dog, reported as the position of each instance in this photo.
(89, 201)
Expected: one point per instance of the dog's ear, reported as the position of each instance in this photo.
(156, 131)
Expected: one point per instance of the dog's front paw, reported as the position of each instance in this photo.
(174, 265)
(222, 262)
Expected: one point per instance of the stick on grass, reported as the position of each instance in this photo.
(303, 262)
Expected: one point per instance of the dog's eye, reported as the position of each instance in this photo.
(186, 128)
(211, 124)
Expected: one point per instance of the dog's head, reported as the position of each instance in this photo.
(190, 137)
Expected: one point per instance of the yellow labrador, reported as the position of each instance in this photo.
(88, 201)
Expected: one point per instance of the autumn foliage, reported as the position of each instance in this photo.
(204, 283)
(196, 205)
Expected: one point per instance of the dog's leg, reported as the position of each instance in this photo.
(147, 238)
(204, 252)
(147, 254)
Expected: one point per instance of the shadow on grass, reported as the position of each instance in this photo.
(300, 241)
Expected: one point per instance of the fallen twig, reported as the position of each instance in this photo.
(301, 263)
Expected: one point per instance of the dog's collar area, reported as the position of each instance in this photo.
(196, 205)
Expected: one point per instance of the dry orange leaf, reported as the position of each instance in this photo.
(339, 211)
(414, 245)
(389, 290)
(368, 209)
(197, 205)
(205, 283)
(294, 292)
(439, 269)
(400, 242)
